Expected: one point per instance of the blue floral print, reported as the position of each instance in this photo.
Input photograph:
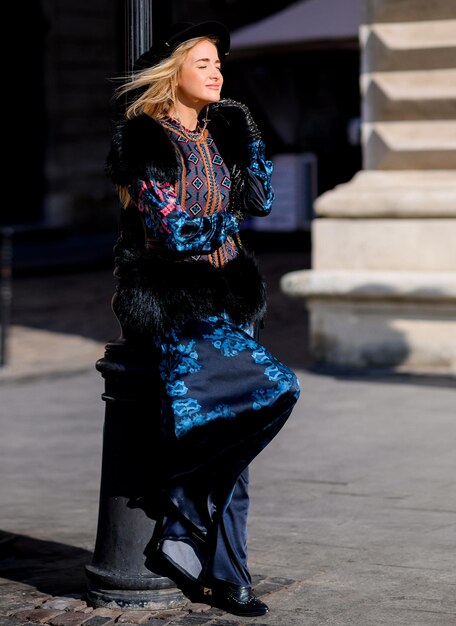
(260, 356)
(178, 358)
(176, 388)
(221, 410)
(186, 407)
(188, 369)
(187, 412)
(262, 168)
(229, 339)
(165, 219)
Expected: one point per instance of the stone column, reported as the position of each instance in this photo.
(382, 289)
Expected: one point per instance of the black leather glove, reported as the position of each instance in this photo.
(247, 193)
(240, 113)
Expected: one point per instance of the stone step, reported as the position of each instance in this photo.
(406, 10)
(410, 145)
(425, 245)
(371, 285)
(409, 45)
(410, 95)
(404, 321)
(402, 194)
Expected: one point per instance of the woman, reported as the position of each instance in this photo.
(189, 167)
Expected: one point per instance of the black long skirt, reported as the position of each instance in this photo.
(224, 398)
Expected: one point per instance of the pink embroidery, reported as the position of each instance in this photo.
(168, 209)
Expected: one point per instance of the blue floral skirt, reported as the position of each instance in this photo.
(224, 398)
(221, 388)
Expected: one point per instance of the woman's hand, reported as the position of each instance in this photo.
(240, 114)
(251, 189)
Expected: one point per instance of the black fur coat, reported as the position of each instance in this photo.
(156, 290)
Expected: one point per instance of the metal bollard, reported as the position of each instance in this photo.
(6, 254)
(118, 576)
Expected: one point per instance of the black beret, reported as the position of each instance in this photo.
(177, 34)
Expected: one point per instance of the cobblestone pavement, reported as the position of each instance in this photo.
(24, 606)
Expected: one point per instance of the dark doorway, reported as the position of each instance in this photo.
(306, 101)
(24, 187)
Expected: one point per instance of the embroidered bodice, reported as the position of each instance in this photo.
(192, 214)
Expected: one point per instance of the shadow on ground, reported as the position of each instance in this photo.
(385, 375)
(50, 567)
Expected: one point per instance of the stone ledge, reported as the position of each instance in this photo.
(407, 10)
(405, 193)
(419, 35)
(404, 321)
(419, 45)
(406, 145)
(412, 95)
(426, 287)
(412, 245)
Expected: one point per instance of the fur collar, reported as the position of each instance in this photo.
(156, 293)
(141, 148)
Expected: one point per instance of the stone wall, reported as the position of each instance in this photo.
(81, 55)
(382, 289)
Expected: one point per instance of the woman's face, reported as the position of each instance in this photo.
(200, 79)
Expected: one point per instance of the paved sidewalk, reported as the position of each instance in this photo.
(62, 321)
(353, 505)
(38, 353)
(352, 519)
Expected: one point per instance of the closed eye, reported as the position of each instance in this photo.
(203, 67)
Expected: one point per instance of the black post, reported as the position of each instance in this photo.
(138, 30)
(119, 575)
(5, 289)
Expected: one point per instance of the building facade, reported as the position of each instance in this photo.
(382, 289)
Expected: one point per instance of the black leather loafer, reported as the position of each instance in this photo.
(237, 600)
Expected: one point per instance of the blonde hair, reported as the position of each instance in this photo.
(158, 83)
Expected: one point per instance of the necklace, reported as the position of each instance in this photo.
(190, 135)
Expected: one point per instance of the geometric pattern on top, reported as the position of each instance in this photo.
(204, 188)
